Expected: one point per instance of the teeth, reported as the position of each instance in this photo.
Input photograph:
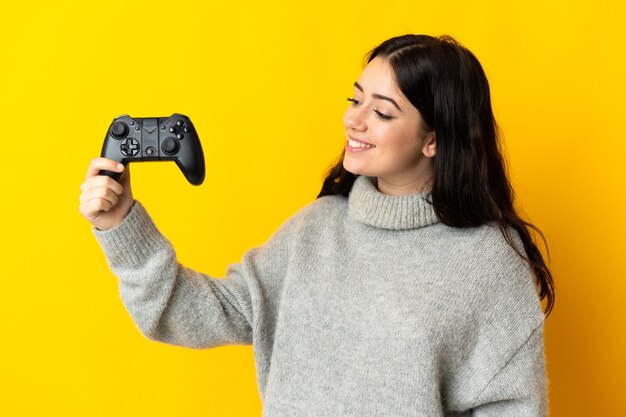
(356, 144)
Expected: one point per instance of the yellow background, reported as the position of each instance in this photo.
(265, 84)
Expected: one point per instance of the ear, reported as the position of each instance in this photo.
(430, 145)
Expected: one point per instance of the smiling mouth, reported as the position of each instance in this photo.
(353, 145)
(359, 145)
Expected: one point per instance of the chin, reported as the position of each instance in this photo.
(354, 170)
(359, 167)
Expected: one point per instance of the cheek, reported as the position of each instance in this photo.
(386, 135)
(398, 141)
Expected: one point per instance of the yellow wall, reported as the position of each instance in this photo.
(265, 84)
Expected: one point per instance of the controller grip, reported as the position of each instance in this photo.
(115, 175)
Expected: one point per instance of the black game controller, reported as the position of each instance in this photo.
(155, 139)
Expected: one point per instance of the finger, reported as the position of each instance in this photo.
(101, 193)
(93, 208)
(98, 164)
(101, 181)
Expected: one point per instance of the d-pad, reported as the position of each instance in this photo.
(130, 147)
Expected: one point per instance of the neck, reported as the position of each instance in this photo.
(417, 180)
(391, 187)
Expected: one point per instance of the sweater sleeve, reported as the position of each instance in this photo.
(519, 388)
(174, 304)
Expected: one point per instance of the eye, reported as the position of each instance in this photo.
(356, 102)
(382, 116)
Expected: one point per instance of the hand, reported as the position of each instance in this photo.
(105, 202)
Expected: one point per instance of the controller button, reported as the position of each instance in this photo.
(137, 128)
(130, 147)
(150, 151)
(179, 122)
(170, 146)
(171, 129)
(163, 127)
(119, 130)
(180, 136)
(132, 123)
(186, 129)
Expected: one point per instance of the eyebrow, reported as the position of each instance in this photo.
(357, 85)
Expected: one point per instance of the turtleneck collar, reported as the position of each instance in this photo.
(366, 204)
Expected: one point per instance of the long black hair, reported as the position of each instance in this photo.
(445, 82)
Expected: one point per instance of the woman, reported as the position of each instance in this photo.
(408, 287)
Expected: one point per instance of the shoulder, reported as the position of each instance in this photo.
(498, 307)
(490, 277)
(325, 205)
(502, 252)
(314, 215)
(504, 283)
(484, 250)
(324, 209)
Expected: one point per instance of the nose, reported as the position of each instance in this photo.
(355, 118)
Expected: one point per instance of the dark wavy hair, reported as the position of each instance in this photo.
(445, 82)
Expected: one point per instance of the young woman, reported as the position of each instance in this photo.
(409, 287)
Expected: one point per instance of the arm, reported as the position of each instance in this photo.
(176, 305)
(519, 388)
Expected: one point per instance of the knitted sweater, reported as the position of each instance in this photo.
(358, 306)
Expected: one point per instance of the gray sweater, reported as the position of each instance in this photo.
(359, 306)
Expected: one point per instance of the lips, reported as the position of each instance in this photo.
(354, 147)
(359, 140)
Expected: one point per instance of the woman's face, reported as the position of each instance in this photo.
(400, 151)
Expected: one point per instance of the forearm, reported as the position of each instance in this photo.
(168, 302)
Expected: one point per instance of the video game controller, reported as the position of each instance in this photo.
(155, 139)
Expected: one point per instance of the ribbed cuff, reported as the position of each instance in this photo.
(133, 241)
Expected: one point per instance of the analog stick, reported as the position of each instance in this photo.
(119, 130)
(170, 146)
